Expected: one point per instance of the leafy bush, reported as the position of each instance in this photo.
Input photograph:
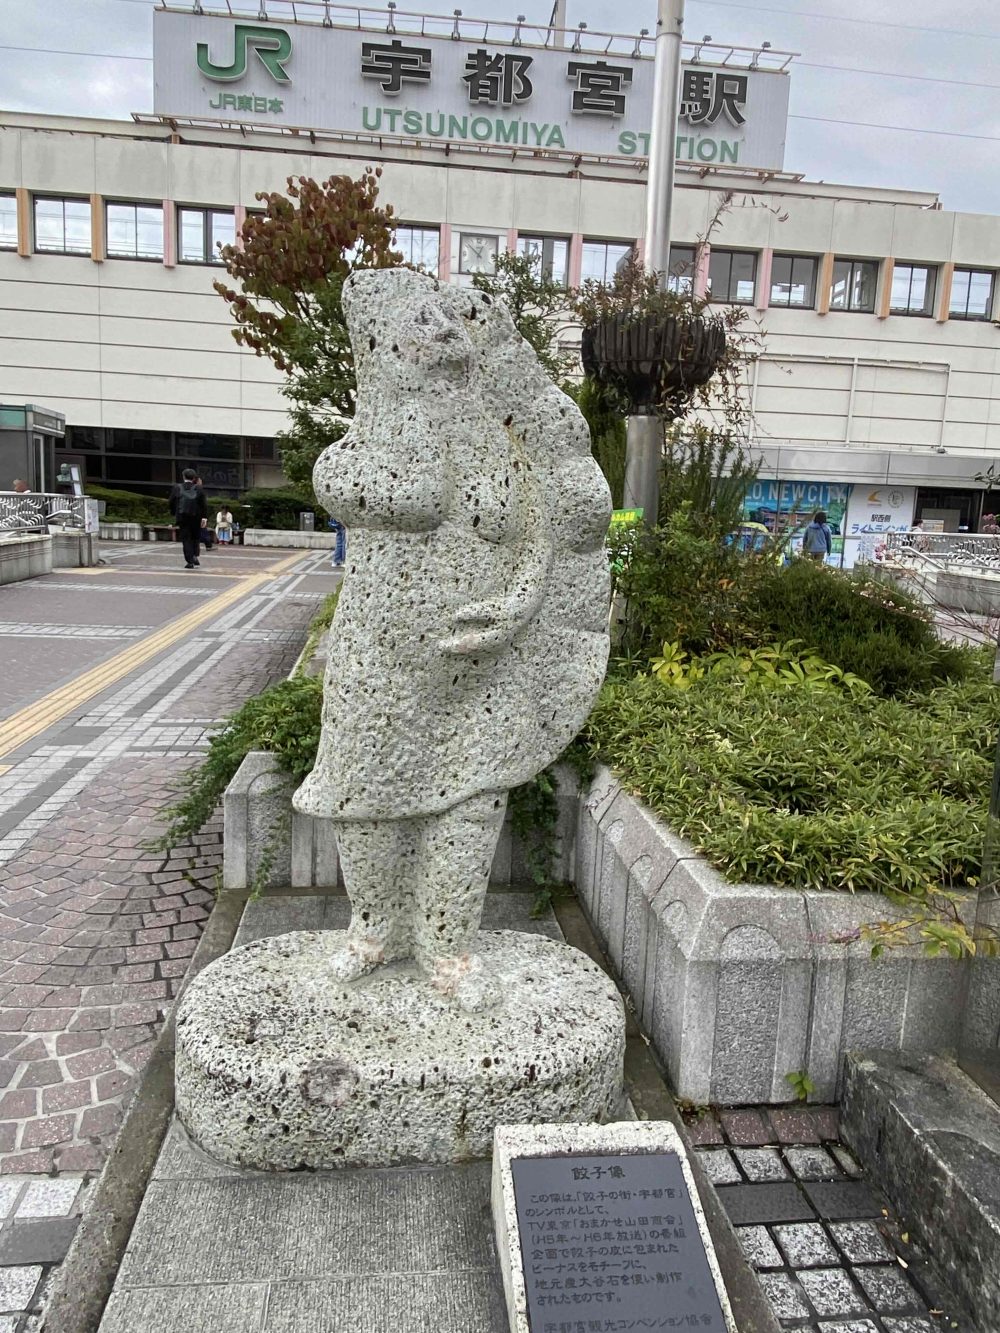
(275, 508)
(838, 791)
(129, 506)
(861, 624)
(284, 719)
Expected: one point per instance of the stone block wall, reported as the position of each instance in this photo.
(24, 557)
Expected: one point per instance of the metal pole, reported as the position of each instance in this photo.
(558, 23)
(645, 434)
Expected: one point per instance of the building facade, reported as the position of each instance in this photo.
(876, 394)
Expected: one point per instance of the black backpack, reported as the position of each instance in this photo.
(187, 502)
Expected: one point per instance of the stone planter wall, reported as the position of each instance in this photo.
(738, 985)
(121, 532)
(25, 557)
(309, 541)
(259, 823)
(73, 549)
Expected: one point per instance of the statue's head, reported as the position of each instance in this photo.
(403, 328)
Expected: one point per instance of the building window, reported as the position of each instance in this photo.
(134, 231)
(732, 276)
(793, 281)
(202, 231)
(854, 284)
(420, 246)
(603, 259)
(552, 254)
(971, 293)
(8, 222)
(912, 289)
(680, 273)
(62, 226)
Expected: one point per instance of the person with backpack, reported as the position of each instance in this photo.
(189, 509)
(817, 540)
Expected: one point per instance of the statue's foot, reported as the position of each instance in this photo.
(464, 980)
(356, 956)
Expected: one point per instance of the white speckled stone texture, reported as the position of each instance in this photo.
(472, 626)
(558, 1140)
(280, 1067)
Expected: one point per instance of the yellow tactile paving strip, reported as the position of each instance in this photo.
(29, 722)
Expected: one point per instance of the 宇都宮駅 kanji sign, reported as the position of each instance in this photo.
(439, 88)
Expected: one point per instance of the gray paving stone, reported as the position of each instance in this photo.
(761, 1164)
(17, 1286)
(447, 1303)
(235, 1309)
(852, 1326)
(50, 1198)
(841, 1201)
(719, 1166)
(346, 1223)
(806, 1245)
(832, 1293)
(512, 911)
(9, 1190)
(784, 1295)
(812, 1164)
(914, 1325)
(759, 1248)
(276, 916)
(43, 1241)
(861, 1242)
(180, 1159)
(890, 1290)
(747, 1204)
(845, 1160)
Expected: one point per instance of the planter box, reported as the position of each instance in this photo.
(73, 549)
(260, 824)
(738, 985)
(309, 541)
(25, 556)
(121, 532)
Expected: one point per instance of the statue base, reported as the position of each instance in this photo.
(281, 1067)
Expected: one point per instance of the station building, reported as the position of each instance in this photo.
(877, 391)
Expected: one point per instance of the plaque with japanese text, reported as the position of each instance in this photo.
(611, 1244)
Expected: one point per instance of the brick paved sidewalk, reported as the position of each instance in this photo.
(96, 931)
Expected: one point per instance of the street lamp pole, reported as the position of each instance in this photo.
(644, 440)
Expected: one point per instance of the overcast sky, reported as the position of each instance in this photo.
(932, 69)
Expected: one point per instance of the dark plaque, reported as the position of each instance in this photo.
(610, 1244)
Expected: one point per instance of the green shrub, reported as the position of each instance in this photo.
(274, 508)
(284, 719)
(830, 790)
(861, 624)
(129, 506)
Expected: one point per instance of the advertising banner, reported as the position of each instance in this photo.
(787, 506)
(466, 89)
(872, 512)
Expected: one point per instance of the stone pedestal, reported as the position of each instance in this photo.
(281, 1067)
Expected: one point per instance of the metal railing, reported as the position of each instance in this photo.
(942, 549)
(33, 511)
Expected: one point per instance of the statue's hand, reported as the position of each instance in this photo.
(481, 627)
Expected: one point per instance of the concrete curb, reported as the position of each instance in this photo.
(84, 1280)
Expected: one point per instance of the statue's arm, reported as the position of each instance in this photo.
(389, 475)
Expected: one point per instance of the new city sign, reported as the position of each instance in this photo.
(472, 91)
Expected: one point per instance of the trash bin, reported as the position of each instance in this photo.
(307, 521)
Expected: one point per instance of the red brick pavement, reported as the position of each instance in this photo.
(95, 935)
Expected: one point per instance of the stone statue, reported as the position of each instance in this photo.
(471, 631)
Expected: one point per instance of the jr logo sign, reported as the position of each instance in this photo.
(272, 46)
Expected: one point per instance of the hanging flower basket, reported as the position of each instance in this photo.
(656, 361)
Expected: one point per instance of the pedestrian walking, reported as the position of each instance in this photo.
(340, 546)
(224, 527)
(817, 540)
(189, 510)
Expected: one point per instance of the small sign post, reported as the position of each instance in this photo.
(603, 1223)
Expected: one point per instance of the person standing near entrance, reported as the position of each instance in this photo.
(189, 509)
(817, 540)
